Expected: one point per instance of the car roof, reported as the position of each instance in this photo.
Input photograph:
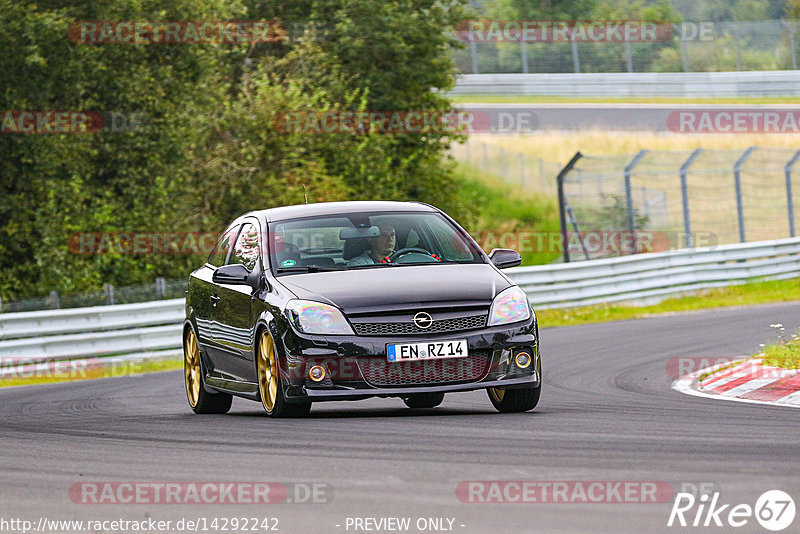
(339, 208)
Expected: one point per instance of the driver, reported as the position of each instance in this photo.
(381, 247)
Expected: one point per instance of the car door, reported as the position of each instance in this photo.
(203, 294)
(232, 315)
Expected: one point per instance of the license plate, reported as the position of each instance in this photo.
(430, 350)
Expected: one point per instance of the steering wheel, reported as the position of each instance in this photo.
(403, 251)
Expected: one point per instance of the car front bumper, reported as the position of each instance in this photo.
(357, 366)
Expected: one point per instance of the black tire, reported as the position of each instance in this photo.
(424, 400)
(270, 387)
(200, 400)
(515, 400)
(518, 399)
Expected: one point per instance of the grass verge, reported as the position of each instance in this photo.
(739, 295)
(559, 147)
(785, 355)
(504, 215)
(92, 371)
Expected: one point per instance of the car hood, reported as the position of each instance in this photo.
(394, 288)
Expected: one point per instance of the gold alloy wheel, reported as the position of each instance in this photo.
(191, 368)
(267, 372)
(497, 394)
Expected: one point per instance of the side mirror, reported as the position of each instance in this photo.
(503, 258)
(234, 274)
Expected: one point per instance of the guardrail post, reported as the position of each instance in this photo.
(108, 289)
(789, 196)
(687, 227)
(629, 196)
(737, 178)
(1, 304)
(562, 203)
(55, 302)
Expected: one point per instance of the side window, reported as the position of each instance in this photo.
(220, 253)
(245, 251)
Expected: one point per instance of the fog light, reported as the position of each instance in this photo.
(316, 373)
(523, 360)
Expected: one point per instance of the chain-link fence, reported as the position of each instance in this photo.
(160, 289)
(659, 200)
(689, 47)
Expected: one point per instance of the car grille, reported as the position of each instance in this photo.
(380, 372)
(408, 327)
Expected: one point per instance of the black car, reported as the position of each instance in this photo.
(351, 300)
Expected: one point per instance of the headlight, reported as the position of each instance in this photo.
(312, 317)
(510, 306)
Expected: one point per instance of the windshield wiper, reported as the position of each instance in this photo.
(310, 269)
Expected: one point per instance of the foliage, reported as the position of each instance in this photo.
(208, 149)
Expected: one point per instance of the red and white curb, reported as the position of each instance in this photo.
(746, 381)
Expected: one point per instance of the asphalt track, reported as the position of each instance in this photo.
(607, 414)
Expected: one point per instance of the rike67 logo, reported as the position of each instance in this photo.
(774, 510)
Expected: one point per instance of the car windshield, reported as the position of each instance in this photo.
(367, 241)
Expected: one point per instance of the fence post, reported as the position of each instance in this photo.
(523, 50)
(628, 56)
(789, 197)
(55, 302)
(473, 49)
(161, 287)
(791, 43)
(576, 62)
(562, 202)
(737, 178)
(108, 289)
(1, 304)
(629, 196)
(682, 45)
(687, 227)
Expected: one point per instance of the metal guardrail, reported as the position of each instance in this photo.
(657, 275)
(644, 84)
(97, 318)
(154, 329)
